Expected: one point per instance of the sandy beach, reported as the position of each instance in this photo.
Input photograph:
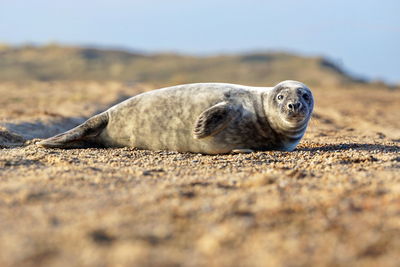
(334, 201)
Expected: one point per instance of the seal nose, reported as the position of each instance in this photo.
(294, 106)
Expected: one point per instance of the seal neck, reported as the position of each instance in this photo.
(263, 125)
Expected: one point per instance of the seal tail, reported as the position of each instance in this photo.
(80, 136)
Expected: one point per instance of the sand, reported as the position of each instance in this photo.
(334, 201)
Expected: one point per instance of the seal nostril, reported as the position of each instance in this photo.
(294, 106)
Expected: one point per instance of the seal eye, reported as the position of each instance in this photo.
(306, 97)
(280, 97)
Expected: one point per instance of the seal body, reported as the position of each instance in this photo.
(209, 118)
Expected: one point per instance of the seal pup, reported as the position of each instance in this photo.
(208, 118)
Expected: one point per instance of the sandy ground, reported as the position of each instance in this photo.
(335, 201)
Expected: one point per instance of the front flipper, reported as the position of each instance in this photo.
(79, 136)
(242, 151)
(215, 119)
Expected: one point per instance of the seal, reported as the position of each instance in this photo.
(207, 118)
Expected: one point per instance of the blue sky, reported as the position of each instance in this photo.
(362, 36)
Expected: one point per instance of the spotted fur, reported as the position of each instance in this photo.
(207, 118)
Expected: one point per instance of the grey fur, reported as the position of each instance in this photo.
(207, 118)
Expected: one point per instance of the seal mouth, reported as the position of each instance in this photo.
(296, 116)
(296, 121)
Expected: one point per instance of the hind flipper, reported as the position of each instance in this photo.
(79, 136)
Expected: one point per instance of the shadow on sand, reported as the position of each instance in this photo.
(353, 146)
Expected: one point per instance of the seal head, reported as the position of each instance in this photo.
(289, 107)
